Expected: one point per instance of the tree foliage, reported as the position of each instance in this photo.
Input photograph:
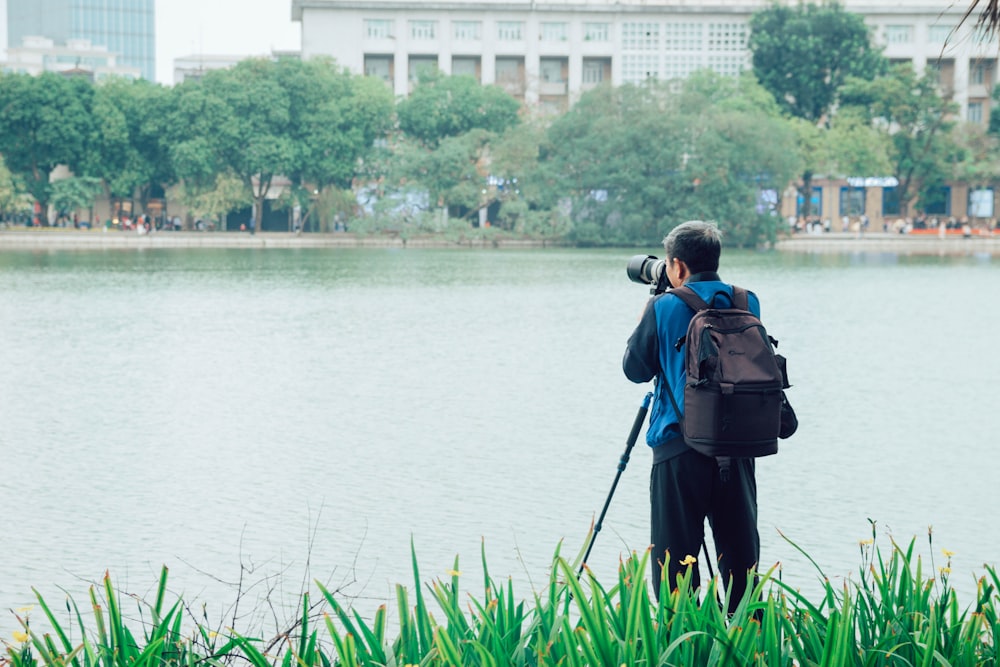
(45, 121)
(803, 54)
(447, 106)
(636, 161)
(131, 153)
(908, 110)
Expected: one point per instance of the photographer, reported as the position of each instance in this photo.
(686, 486)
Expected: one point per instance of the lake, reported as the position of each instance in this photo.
(283, 415)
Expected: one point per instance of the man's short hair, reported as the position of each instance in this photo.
(696, 243)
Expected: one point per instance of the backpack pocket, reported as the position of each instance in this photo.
(732, 420)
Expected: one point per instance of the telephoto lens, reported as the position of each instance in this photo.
(646, 269)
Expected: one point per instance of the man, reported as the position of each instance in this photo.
(685, 486)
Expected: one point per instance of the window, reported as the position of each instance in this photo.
(937, 200)
(975, 112)
(510, 31)
(423, 29)
(465, 67)
(727, 36)
(596, 32)
(978, 74)
(890, 201)
(508, 70)
(593, 72)
(552, 70)
(939, 34)
(554, 32)
(852, 201)
(640, 36)
(468, 30)
(378, 28)
(981, 203)
(815, 202)
(898, 34)
(679, 66)
(421, 64)
(636, 68)
(683, 36)
(379, 67)
(726, 65)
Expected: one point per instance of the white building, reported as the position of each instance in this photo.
(548, 52)
(77, 56)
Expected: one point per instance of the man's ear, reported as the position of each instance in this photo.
(683, 272)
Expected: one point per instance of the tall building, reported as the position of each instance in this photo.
(547, 52)
(123, 27)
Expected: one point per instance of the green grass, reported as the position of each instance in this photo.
(896, 613)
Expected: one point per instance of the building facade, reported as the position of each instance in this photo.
(548, 52)
(78, 57)
(124, 27)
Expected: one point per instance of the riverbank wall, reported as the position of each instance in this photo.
(45, 239)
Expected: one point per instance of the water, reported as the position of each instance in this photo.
(282, 415)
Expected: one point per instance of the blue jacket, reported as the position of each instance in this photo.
(651, 353)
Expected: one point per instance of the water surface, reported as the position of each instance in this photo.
(283, 415)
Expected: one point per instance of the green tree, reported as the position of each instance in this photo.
(448, 106)
(909, 111)
(131, 153)
(235, 120)
(453, 173)
(213, 203)
(70, 194)
(13, 199)
(633, 162)
(45, 121)
(803, 54)
(336, 120)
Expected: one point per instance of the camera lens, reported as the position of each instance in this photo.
(645, 269)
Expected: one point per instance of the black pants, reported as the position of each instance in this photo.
(683, 492)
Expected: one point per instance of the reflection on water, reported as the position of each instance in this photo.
(319, 409)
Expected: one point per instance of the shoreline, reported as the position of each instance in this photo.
(832, 242)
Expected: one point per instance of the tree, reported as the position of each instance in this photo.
(69, 194)
(336, 120)
(131, 153)
(214, 203)
(635, 161)
(910, 112)
(448, 106)
(803, 55)
(453, 173)
(45, 121)
(235, 120)
(13, 199)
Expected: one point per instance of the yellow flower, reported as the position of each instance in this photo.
(454, 573)
(865, 543)
(689, 560)
(20, 637)
(947, 554)
(25, 610)
(944, 570)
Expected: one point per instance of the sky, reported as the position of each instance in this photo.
(221, 27)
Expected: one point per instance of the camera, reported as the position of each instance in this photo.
(648, 270)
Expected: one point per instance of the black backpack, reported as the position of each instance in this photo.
(734, 400)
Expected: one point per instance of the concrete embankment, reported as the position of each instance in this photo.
(97, 239)
(808, 243)
(910, 244)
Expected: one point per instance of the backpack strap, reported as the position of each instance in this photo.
(696, 303)
(690, 297)
(740, 298)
